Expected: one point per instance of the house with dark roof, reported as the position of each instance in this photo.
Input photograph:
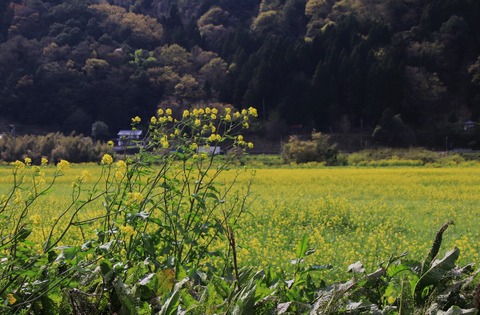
(126, 138)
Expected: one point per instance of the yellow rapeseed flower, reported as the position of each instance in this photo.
(168, 112)
(135, 198)
(39, 175)
(214, 111)
(136, 119)
(35, 219)
(44, 161)
(28, 161)
(164, 142)
(153, 120)
(18, 165)
(18, 197)
(121, 165)
(160, 112)
(186, 113)
(11, 299)
(252, 112)
(110, 143)
(63, 165)
(214, 137)
(228, 117)
(127, 230)
(107, 159)
(197, 122)
(86, 175)
(250, 145)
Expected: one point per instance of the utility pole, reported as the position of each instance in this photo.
(12, 130)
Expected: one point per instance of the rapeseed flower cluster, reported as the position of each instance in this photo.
(18, 165)
(198, 127)
(38, 175)
(63, 165)
(121, 170)
(107, 159)
(134, 198)
(127, 230)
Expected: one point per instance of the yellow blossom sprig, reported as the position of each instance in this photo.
(200, 126)
(63, 165)
(107, 159)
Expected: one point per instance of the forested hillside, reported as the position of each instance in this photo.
(406, 71)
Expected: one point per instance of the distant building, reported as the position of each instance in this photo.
(469, 125)
(128, 137)
(210, 150)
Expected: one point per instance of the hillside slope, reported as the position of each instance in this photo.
(407, 71)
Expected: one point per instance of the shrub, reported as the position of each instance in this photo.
(316, 150)
(54, 147)
(412, 154)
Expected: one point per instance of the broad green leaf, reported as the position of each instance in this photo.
(435, 274)
(125, 297)
(171, 304)
(245, 301)
(302, 246)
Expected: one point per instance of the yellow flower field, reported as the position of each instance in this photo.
(349, 214)
(354, 214)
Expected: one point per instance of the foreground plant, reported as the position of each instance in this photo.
(165, 216)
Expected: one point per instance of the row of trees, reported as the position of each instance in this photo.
(332, 65)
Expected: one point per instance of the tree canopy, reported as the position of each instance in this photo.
(321, 64)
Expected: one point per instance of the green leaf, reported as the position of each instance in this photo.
(70, 252)
(435, 274)
(245, 301)
(105, 268)
(171, 304)
(302, 246)
(146, 287)
(125, 297)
